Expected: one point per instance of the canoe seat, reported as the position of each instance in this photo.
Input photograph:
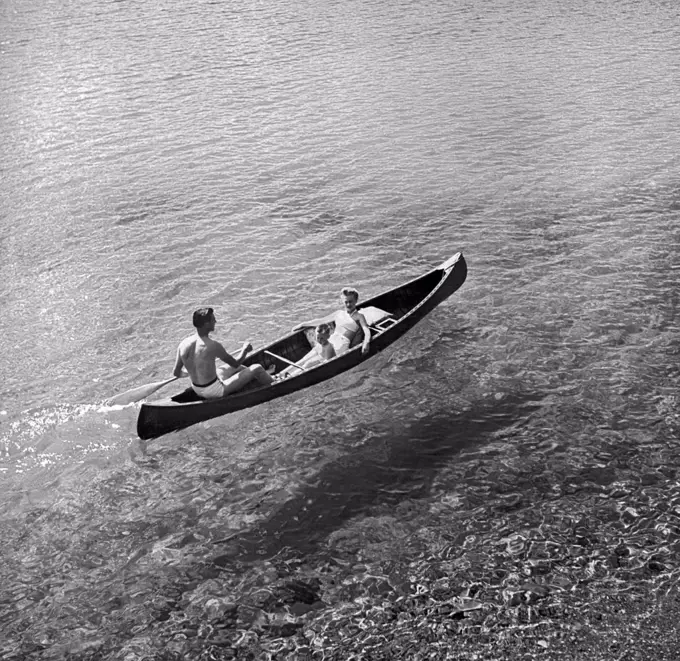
(374, 315)
(384, 324)
(377, 319)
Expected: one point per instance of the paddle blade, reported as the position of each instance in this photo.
(141, 392)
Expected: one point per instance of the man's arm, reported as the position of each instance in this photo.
(232, 361)
(179, 364)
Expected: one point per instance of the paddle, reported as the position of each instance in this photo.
(140, 392)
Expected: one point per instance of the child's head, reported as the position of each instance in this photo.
(322, 332)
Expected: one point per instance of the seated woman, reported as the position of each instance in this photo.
(321, 352)
(347, 323)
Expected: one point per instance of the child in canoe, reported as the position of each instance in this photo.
(321, 352)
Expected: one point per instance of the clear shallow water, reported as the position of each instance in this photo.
(259, 157)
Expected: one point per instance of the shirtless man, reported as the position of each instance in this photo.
(197, 355)
(347, 323)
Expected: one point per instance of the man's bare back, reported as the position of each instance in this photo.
(198, 356)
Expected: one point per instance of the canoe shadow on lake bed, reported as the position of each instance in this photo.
(389, 468)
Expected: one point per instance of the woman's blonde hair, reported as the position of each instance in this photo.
(350, 291)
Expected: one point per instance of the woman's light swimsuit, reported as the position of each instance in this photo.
(344, 322)
(212, 390)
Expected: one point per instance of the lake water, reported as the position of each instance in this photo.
(258, 156)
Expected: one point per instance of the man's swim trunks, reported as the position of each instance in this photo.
(212, 390)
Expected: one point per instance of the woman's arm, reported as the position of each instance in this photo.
(367, 333)
(315, 322)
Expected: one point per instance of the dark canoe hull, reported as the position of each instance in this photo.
(407, 304)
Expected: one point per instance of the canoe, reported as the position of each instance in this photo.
(389, 315)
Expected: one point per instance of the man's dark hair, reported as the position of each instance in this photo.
(202, 316)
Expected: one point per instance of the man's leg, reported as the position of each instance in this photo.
(243, 375)
(261, 374)
(224, 372)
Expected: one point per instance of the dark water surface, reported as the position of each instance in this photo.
(514, 456)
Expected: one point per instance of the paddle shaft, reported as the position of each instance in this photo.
(285, 360)
(140, 392)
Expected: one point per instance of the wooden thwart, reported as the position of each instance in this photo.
(285, 360)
